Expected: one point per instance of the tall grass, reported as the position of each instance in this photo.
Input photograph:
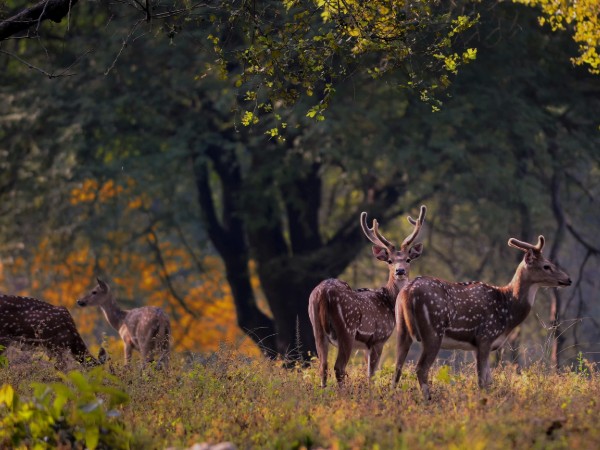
(256, 403)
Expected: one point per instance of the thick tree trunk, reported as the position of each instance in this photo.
(294, 335)
(283, 239)
(228, 238)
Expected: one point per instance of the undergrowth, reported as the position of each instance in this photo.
(256, 403)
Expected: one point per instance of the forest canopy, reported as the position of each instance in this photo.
(213, 158)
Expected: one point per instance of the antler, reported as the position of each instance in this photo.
(526, 246)
(417, 224)
(373, 234)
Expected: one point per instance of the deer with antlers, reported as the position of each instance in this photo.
(34, 323)
(469, 316)
(145, 329)
(362, 318)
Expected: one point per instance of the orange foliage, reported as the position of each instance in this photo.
(136, 279)
(91, 190)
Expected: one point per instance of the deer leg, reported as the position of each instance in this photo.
(403, 343)
(374, 357)
(163, 359)
(161, 353)
(322, 345)
(431, 347)
(146, 352)
(128, 348)
(322, 352)
(344, 353)
(484, 373)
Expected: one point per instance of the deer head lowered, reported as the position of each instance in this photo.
(362, 318)
(470, 316)
(32, 322)
(146, 329)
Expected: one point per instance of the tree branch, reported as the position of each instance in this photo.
(591, 248)
(54, 10)
(153, 243)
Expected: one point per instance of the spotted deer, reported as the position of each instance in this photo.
(145, 329)
(34, 323)
(362, 318)
(469, 316)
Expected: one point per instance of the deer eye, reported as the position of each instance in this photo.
(93, 292)
(389, 261)
(547, 267)
(407, 260)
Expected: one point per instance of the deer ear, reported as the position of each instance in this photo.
(415, 251)
(529, 257)
(102, 285)
(380, 253)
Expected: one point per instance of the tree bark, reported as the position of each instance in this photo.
(228, 238)
(558, 340)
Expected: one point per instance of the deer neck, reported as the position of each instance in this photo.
(521, 293)
(114, 315)
(393, 287)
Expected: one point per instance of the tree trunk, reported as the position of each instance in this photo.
(289, 304)
(558, 339)
(273, 219)
(227, 235)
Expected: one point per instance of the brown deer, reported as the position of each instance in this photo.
(146, 329)
(362, 318)
(469, 316)
(34, 323)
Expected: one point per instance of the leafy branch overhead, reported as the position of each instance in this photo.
(299, 49)
(279, 52)
(583, 17)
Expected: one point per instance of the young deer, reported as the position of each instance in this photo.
(145, 329)
(469, 316)
(362, 318)
(32, 322)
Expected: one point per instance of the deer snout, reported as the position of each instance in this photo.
(400, 271)
(566, 283)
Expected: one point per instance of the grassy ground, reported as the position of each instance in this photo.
(257, 404)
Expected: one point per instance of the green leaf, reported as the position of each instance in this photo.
(92, 436)
(79, 381)
(7, 395)
(249, 118)
(443, 375)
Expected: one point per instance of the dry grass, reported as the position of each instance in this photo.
(257, 404)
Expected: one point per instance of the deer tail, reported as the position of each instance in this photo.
(317, 312)
(408, 310)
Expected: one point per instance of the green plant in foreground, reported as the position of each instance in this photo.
(582, 368)
(3, 359)
(79, 411)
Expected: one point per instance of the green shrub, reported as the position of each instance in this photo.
(79, 411)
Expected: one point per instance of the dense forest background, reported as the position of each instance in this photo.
(170, 156)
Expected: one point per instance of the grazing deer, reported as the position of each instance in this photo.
(32, 322)
(146, 329)
(362, 318)
(469, 316)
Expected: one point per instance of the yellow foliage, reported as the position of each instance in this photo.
(583, 16)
